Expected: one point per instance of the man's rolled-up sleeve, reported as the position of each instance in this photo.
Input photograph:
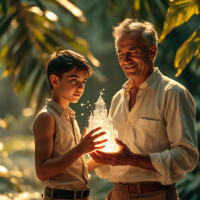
(183, 156)
(103, 171)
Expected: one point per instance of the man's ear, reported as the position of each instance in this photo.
(153, 51)
(54, 80)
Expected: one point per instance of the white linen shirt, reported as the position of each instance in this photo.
(162, 123)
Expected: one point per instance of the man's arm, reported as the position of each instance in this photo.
(123, 157)
(47, 167)
(182, 155)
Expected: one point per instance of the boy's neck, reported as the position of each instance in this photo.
(63, 102)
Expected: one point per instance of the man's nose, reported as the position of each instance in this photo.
(126, 59)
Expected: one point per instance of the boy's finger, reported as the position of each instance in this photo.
(99, 134)
(100, 142)
(100, 147)
(84, 133)
(94, 130)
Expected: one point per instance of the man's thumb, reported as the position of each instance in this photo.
(120, 143)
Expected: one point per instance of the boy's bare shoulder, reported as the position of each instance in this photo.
(44, 120)
(44, 115)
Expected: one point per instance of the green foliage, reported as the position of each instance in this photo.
(150, 10)
(186, 52)
(29, 33)
(189, 187)
(178, 13)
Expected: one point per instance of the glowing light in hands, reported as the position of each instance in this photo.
(100, 119)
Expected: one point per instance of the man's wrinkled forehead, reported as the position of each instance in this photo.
(129, 40)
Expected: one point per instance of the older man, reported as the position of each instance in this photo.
(155, 118)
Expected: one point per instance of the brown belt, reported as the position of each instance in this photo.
(67, 194)
(142, 187)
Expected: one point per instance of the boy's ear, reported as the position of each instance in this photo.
(54, 80)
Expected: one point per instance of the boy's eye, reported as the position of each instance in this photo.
(84, 82)
(74, 80)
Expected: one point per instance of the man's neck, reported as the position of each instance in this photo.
(137, 82)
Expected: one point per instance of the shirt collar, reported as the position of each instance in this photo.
(127, 86)
(60, 110)
(151, 81)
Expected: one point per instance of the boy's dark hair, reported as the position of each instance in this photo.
(64, 61)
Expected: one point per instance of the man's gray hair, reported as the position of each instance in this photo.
(148, 32)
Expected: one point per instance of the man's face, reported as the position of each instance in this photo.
(133, 55)
(72, 85)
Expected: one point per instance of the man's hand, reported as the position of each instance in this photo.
(123, 157)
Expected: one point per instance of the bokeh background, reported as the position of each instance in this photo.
(29, 32)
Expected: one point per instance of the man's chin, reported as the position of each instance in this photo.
(131, 75)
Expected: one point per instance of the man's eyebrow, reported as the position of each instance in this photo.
(131, 48)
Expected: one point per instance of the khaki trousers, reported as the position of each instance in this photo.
(171, 194)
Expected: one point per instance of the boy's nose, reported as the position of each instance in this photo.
(81, 86)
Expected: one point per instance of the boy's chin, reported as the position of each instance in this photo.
(74, 101)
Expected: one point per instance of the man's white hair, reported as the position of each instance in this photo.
(147, 30)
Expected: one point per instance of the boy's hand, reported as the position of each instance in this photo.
(87, 143)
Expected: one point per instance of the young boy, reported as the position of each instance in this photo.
(59, 150)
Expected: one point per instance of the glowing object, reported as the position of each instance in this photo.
(100, 119)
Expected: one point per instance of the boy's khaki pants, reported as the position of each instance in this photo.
(171, 194)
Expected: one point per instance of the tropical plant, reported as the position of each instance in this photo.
(29, 32)
(151, 10)
(179, 12)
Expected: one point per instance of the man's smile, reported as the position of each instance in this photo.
(129, 67)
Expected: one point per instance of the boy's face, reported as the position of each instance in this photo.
(71, 86)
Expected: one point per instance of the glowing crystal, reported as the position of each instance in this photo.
(99, 119)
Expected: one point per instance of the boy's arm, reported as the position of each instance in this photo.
(47, 167)
(44, 130)
(92, 164)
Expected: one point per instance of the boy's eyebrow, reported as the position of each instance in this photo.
(75, 76)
